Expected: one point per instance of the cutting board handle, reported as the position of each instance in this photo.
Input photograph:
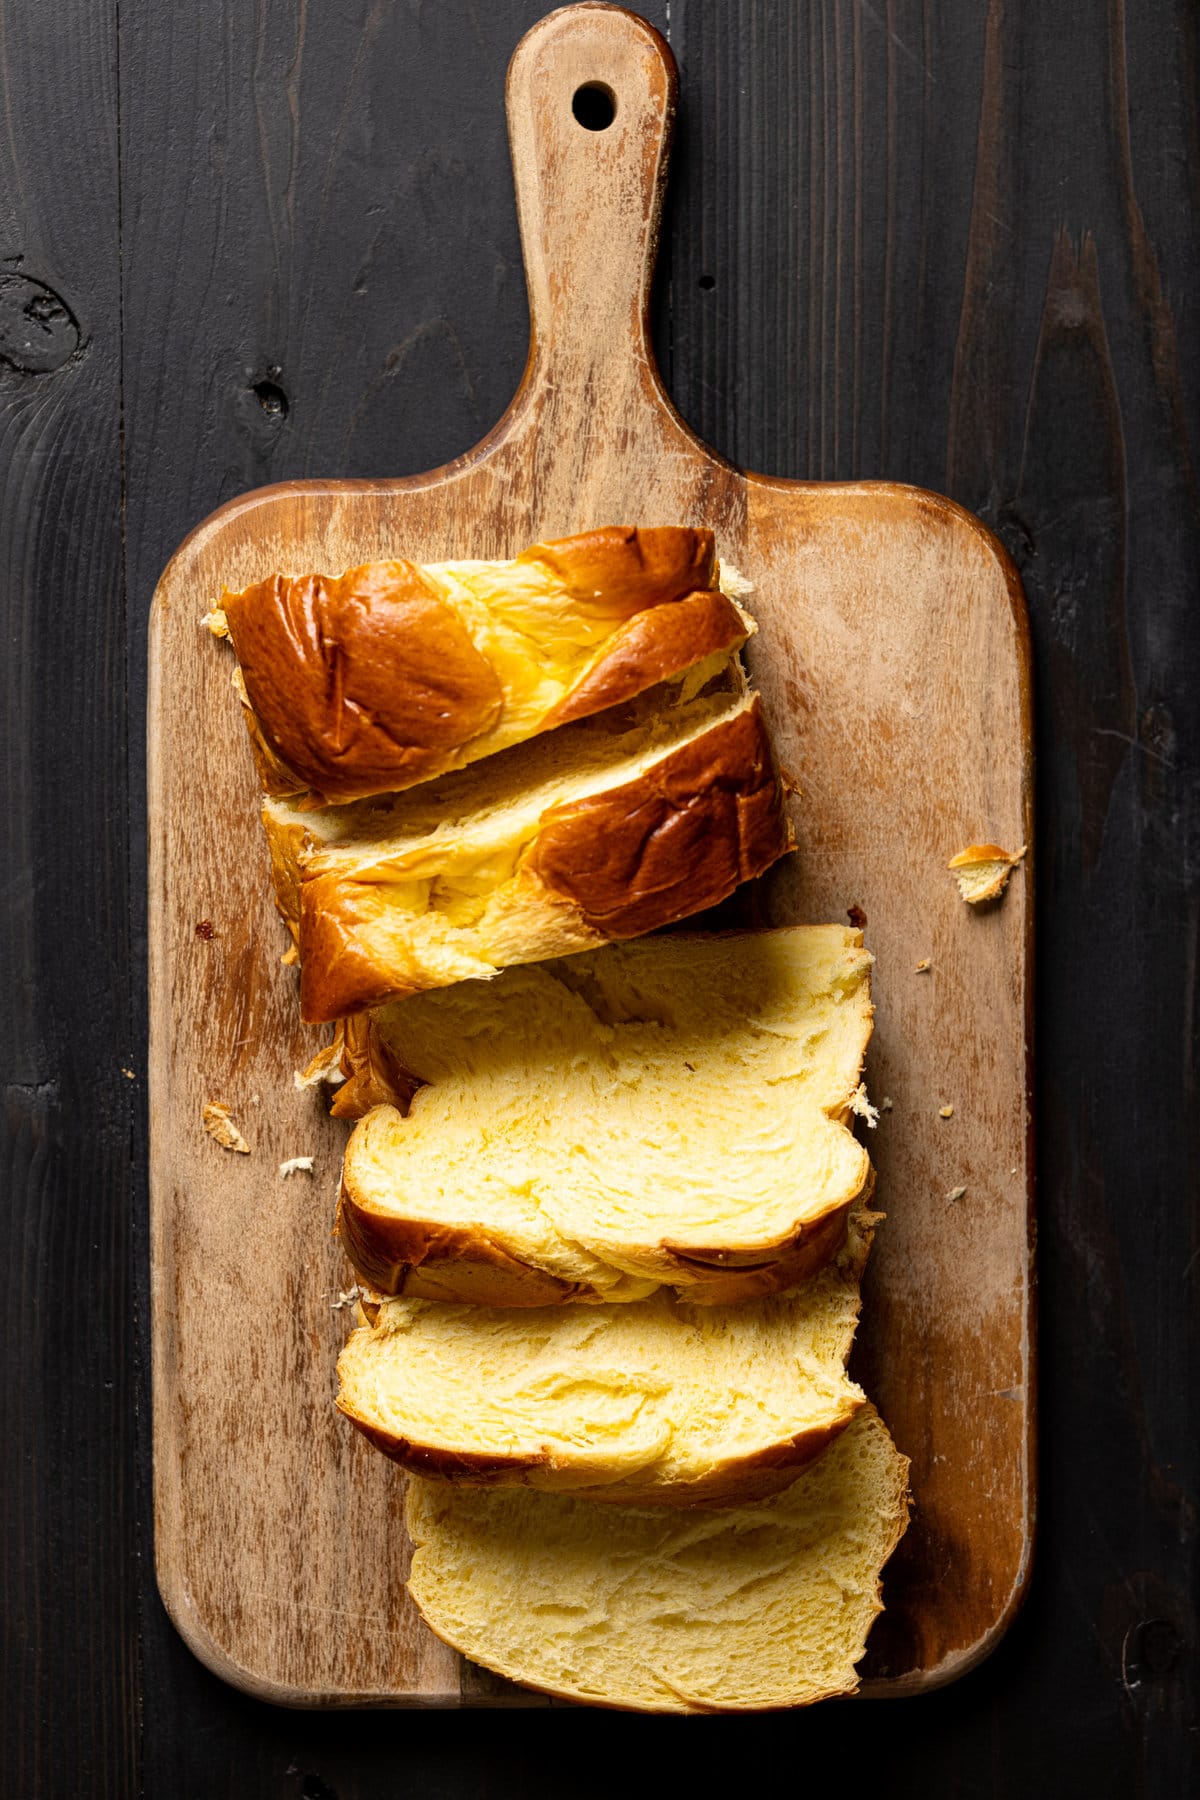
(591, 98)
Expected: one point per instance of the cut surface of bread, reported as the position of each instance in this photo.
(393, 673)
(667, 1110)
(766, 1604)
(655, 1402)
(590, 834)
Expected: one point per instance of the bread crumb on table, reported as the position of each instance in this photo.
(862, 1106)
(326, 1066)
(922, 967)
(296, 1165)
(732, 581)
(219, 1125)
(956, 1193)
(982, 871)
(945, 1112)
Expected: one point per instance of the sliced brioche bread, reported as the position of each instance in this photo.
(761, 1605)
(601, 831)
(393, 673)
(668, 1110)
(654, 1403)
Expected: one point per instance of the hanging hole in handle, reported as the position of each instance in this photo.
(594, 106)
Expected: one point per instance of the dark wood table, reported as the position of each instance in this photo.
(948, 242)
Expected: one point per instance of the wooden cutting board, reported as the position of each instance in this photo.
(893, 657)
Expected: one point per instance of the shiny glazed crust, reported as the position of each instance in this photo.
(730, 1483)
(433, 1261)
(358, 683)
(675, 840)
(371, 681)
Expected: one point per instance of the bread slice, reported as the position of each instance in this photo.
(761, 1605)
(592, 833)
(654, 1403)
(667, 1110)
(393, 673)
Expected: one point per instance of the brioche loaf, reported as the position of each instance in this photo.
(667, 1110)
(666, 1610)
(656, 1402)
(603, 830)
(393, 673)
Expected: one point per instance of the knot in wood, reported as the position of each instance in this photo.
(38, 331)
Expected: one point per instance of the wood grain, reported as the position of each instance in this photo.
(894, 664)
(317, 199)
(68, 1400)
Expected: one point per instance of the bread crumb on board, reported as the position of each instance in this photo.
(956, 1193)
(922, 967)
(349, 1297)
(219, 1124)
(982, 871)
(326, 1066)
(733, 582)
(945, 1112)
(296, 1165)
(862, 1106)
(216, 622)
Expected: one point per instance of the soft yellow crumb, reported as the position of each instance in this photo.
(945, 1112)
(922, 967)
(217, 623)
(885, 1105)
(296, 1165)
(219, 1125)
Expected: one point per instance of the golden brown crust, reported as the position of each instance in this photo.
(737, 1480)
(369, 682)
(715, 1284)
(339, 975)
(273, 774)
(618, 570)
(670, 843)
(468, 1466)
(658, 640)
(434, 1261)
(673, 842)
(375, 1076)
(359, 683)
(463, 1262)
